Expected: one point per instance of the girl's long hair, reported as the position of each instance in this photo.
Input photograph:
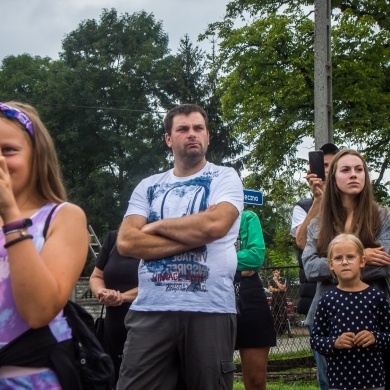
(366, 217)
(46, 178)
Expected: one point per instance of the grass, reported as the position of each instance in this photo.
(290, 355)
(282, 386)
(281, 356)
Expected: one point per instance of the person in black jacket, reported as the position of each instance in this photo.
(304, 211)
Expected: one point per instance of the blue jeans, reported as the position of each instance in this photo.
(322, 375)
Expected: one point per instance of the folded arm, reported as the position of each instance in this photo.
(133, 242)
(196, 229)
(171, 236)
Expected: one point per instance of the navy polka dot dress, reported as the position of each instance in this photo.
(343, 311)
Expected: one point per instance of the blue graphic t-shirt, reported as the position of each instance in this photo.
(200, 279)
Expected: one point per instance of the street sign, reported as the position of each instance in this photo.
(253, 197)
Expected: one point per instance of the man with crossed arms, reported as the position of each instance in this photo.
(183, 224)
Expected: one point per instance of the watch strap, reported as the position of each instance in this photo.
(17, 225)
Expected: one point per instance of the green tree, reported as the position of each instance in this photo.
(24, 78)
(267, 85)
(267, 93)
(105, 112)
(191, 78)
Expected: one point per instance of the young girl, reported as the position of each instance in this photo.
(352, 321)
(38, 270)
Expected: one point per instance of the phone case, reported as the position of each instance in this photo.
(316, 163)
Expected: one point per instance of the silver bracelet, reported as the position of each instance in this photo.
(14, 231)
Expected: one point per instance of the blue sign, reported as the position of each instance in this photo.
(253, 197)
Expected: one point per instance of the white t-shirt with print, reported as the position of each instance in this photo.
(200, 279)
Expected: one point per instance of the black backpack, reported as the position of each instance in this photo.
(79, 363)
(95, 367)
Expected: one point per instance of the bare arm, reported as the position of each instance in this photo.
(108, 296)
(96, 282)
(130, 295)
(197, 229)
(133, 242)
(316, 187)
(42, 282)
(280, 286)
(171, 236)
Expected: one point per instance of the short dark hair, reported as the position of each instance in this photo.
(183, 109)
(329, 148)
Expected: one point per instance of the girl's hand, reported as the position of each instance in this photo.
(345, 341)
(316, 185)
(376, 256)
(364, 339)
(8, 207)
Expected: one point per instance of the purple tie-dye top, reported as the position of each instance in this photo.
(11, 323)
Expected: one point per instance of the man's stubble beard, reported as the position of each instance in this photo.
(190, 157)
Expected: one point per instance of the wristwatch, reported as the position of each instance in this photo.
(22, 224)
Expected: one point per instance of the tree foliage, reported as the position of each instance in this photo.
(113, 134)
(267, 93)
(191, 78)
(103, 102)
(267, 85)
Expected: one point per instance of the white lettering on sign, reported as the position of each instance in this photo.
(251, 197)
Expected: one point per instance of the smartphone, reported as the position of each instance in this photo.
(316, 163)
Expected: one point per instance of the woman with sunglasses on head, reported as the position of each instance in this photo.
(348, 207)
(352, 321)
(39, 267)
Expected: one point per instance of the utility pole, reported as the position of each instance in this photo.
(323, 107)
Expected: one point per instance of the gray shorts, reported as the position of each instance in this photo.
(162, 347)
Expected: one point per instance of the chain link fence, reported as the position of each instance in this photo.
(292, 356)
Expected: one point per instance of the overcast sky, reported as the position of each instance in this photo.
(37, 27)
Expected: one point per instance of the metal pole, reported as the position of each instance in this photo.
(323, 108)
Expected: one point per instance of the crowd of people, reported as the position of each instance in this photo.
(343, 204)
(180, 278)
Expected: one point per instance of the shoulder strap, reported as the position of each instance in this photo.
(48, 220)
(305, 204)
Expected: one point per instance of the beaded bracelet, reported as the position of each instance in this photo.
(19, 239)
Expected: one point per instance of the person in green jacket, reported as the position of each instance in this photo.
(255, 325)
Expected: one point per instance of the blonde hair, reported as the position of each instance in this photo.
(46, 179)
(345, 237)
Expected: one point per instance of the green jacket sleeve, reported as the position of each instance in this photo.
(252, 252)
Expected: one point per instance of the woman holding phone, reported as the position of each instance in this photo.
(348, 207)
